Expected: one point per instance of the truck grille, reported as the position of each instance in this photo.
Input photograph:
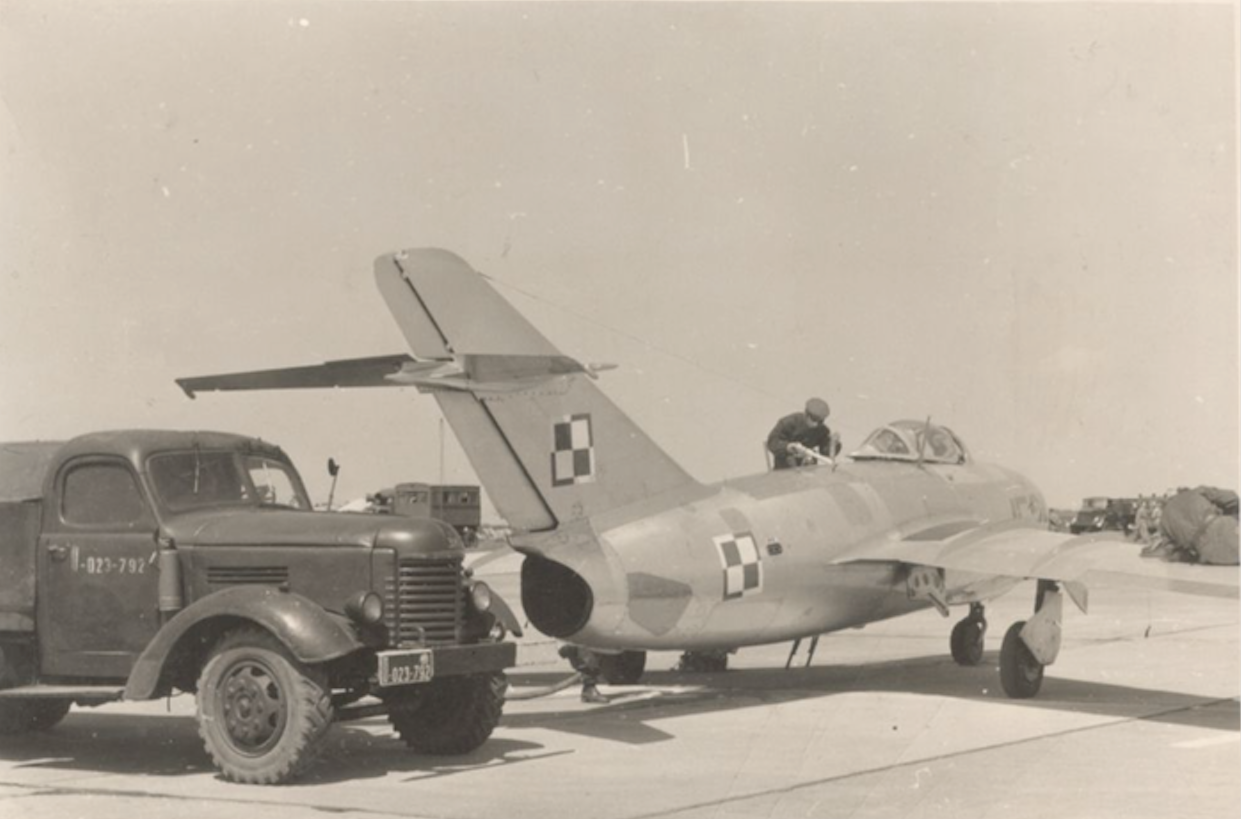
(425, 602)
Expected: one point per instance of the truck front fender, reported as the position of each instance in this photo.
(313, 634)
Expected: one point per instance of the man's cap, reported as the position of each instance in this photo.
(818, 408)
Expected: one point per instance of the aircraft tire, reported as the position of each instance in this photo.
(450, 716)
(625, 668)
(703, 662)
(967, 641)
(1021, 675)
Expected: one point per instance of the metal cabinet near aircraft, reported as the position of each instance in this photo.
(458, 505)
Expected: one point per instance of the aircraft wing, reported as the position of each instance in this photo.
(1081, 562)
(354, 372)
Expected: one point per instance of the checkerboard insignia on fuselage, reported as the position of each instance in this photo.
(742, 565)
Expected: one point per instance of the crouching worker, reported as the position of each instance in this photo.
(1199, 526)
(801, 431)
(586, 663)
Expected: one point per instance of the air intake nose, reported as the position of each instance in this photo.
(557, 599)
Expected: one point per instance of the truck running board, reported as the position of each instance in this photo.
(81, 694)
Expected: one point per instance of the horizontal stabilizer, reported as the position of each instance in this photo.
(378, 371)
(489, 373)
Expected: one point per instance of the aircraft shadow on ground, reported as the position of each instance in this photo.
(626, 718)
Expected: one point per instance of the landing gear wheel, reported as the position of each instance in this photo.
(1021, 674)
(622, 669)
(703, 662)
(451, 715)
(261, 712)
(966, 642)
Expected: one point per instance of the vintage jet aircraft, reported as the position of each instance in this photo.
(625, 552)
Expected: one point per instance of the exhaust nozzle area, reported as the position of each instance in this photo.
(557, 599)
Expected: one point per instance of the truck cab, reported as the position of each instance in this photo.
(139, 562)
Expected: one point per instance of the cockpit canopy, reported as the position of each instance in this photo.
(911, 441)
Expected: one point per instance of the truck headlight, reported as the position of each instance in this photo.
(366, 608)
(480, 595)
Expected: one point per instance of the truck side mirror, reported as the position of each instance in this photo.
(333, 468)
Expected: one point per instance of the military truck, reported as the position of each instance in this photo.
(1101, 513)
(134, 564)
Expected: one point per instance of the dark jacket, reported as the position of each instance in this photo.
(798, 428)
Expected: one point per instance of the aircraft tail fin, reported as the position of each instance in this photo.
(547, 444)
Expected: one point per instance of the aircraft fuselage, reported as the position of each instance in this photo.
(753, 560)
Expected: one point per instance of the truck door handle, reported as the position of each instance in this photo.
(58, 552)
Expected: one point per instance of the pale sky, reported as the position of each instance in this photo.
(1017, 218)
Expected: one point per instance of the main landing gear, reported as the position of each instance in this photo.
(1030, 645)
(967, 636)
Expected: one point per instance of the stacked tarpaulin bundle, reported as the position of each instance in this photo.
(1200, 526)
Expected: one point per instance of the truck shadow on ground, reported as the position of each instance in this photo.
(101, 742)
(105, 743)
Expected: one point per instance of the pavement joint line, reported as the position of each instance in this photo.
(44, 790)
(924, 760)
(28, 791)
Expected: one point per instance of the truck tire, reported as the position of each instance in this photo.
(24, 716)
(625, 668)
(452, 715)
(261, 713)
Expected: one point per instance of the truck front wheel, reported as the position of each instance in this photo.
(451, 715)
(261, 712)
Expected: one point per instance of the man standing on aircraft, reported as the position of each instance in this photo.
(802, 431)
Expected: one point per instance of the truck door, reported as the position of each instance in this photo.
(98, 580)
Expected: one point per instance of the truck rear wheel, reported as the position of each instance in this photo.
(20, 716)
(23, 716)
(261, 712)
(451, 715)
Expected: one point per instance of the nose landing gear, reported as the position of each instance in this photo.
(966, 642)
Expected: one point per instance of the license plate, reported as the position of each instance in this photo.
(405, 667)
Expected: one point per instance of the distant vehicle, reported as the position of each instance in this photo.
(458, 505)
(1105, 514)
(627, 553)
(140, 562)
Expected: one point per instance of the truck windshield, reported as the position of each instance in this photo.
(190, 480)
(196, 479)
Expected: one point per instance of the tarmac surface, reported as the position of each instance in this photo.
(1137, 718)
